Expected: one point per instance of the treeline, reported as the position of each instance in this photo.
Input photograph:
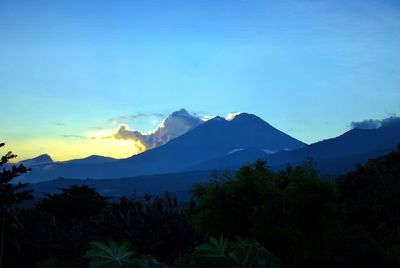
(254, 218)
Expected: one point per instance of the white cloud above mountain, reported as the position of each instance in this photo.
(372, 123)
(176, 124)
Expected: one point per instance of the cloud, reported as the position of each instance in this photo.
(74, 136)
(173, 126)
(135, 116)
(373, 124)
(231, 116)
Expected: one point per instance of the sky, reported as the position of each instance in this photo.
(71, 72)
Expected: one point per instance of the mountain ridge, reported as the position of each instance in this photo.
(215, 137)
(356, 144)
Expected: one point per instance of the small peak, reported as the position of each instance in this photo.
(231, 116)
(182, 111)
(217, 118)
(43, 158)
(93, 156)
(246, 116)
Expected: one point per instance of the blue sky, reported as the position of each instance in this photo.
(307, 67)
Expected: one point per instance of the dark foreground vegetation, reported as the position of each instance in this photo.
(256, 218)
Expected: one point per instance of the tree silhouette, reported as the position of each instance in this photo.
(293, 213)
(69, 218)
(76, 203)
(10, 194)
(157, 227)
(371, 194)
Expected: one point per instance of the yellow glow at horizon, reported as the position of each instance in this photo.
(67, 149)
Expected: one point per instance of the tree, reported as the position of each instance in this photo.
(64, 223)
(74, 204)
(225, 204)
(371, 194)
(158, 227)
(294, 213)
(10, 194)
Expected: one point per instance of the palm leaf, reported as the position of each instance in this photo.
(110, 255)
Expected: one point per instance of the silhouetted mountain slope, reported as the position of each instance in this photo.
(93, 159)
(354, 142)
(216, 137)
(332, 156)
(41, 159)
(179, 184)
(212, 139)
(232, 160)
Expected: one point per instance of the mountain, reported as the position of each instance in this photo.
(215, 138)
(216, 145)
(93, 159)
(332, 156)
(41, 159)
(344, 151)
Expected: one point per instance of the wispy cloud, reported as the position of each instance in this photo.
(74, 136)
(372, 123)
(135, 116)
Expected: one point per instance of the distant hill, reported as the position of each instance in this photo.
(178, 184)
(213, 139)
(41, 159)
(93, 159)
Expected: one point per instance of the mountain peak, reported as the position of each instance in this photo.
(242, 116)
(245, 118)
(41, 159)
(217, 118)
(180, 112)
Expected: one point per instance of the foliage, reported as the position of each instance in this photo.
(112, 254)
(250, 254)
(242, 253)
(10, 196)
(73, 204)
(371, 195)
(302, 219)
(357, 248)
(215, 252)
(157, 227)
(294, 213)
(61, 225)
(372, 191)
